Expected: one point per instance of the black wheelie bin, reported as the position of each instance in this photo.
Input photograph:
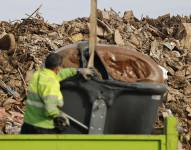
(114, 104)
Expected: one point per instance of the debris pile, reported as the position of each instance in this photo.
(166, 39)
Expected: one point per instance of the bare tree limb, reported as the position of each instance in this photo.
(35, 11)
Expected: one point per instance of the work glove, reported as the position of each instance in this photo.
(87, 73)
(61, 121)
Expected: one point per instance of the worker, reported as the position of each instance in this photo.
(45, 98)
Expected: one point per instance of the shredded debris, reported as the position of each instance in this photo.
(167, 40)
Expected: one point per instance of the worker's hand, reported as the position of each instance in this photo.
(87, 73)
(61, 121)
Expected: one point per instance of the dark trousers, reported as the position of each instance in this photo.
(30, 129)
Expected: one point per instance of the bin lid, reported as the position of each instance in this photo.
(122, 64)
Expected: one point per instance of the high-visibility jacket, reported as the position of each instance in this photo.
(44, 97)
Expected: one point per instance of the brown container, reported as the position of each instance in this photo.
(121, 64)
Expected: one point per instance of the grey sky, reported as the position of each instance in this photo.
(59, 10)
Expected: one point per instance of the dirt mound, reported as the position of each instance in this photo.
(166, 39)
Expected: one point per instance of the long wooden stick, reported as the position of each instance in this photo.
(35, 11)
(22, 78)
(8, 89)
(93, 32)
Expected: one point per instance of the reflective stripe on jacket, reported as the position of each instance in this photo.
(44, 97)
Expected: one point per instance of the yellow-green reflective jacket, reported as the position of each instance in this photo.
(44, 97)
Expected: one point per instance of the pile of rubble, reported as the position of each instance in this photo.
(166, 39)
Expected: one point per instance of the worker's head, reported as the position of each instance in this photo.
(53, 61)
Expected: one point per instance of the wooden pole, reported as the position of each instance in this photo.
(93, 32)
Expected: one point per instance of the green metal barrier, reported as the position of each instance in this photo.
(168, 141)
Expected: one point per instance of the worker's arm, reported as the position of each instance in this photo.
(66, 73)
(52, 98)
(69, 72)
